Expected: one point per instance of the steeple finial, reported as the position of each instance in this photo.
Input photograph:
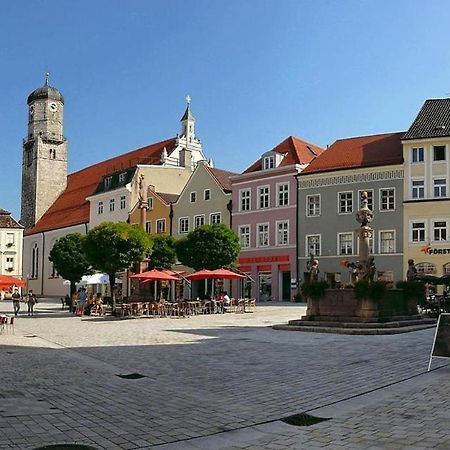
(188, 99)
(46, 78)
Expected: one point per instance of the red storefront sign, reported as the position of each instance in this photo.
(264, 259)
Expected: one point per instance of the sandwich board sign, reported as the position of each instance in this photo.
(441, 344)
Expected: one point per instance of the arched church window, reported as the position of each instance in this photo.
(34, 261)
(446, 268)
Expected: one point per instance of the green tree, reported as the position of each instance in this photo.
(112, 247)
(164, 254)
(209, 247)
(69, 259)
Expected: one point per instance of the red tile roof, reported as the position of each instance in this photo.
(72, 208)
(296, 150)
(363, 151)
(222, 177)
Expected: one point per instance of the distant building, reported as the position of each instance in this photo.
(55, 203)
(426, 150)
(329, 195)
(265, 218)
(11, 239)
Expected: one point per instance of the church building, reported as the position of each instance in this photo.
(55, 203)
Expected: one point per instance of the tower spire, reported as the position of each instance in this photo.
(46, 78)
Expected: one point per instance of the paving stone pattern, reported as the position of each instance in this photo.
(220, 375)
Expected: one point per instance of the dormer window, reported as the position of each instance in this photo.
(108, 182)
(269, 162)
(122, 177)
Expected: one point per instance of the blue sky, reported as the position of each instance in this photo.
(257, 71)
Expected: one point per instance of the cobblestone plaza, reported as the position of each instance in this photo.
(215, 381)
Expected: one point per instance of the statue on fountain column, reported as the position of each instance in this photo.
(313, 268)
(411, 274)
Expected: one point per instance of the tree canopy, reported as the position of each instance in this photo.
(163, 254)
(209, 247)
(69, 259)
(111, 247)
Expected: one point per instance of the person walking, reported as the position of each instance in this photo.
(16, 301)
(82, 302)
(31, 301)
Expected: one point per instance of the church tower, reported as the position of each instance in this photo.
(44, 166)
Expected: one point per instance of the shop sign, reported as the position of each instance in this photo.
(429, 250)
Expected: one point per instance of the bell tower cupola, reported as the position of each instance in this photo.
(44, 166)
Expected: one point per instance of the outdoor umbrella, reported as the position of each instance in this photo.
(6, 281)
(431, 279)
(154, 275)
(227, 274)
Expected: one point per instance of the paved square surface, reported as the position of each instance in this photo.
(215, 381)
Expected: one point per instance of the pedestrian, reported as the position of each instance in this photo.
(31, 301)
(16, 301)
(82, 302)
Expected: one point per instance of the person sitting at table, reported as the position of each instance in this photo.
(226, 301)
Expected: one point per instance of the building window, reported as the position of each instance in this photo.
(244, 236)
(193, 197)
(183, 225)
(161, 226)
(269, 162)
(122, 202)
(440, 187)
(52, 154)
(215, 218)
(100, 208)
(283, 232)
(439, 153)
(263, 235)
(345, 202)
(199, 221)
(263, 194)
(207, 194)
(245, 200)
(387, 199)
(9, 239)
(313, 245)
(369, 198)
(53, 271)
(108, 182)
(9, 263)
(418, 189)
(426, 268)
(439, 230)
(148, 226)
(283, 194)
(345, 243)
(34, 261)
(418, 232)
(122, 177)
(150, 203)
(112, 204)
(417, 155)
(387, 241)
(313, 205)
(446, 269)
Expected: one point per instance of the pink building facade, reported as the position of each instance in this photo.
(265, 219)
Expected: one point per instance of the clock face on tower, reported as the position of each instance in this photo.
(53, 107)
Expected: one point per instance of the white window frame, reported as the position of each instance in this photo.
(245, 200)
(10, 239)
(380, 242)
(317, 211)
(150, 203)
(283, 194)
(347, 234)
(193, 196)
(122, 177)
(285, 232)
(308, 246)
(369, 191)
(351, 199)
(160, 228)
(112, 204)
(108, 181)
(209, 194)
(269, 162)
(185, 228)
(123, 202)
(433, 222)
(100, 208)
(246, 235)
(380, 199)
(415, 155)
(440, 187)
(218, 214)
(411, 231)
(258, 234)
(415, 180)
(266, 194)
(197, 219)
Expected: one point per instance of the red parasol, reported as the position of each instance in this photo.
(155, 275)
(7, 281)
(217, 273)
